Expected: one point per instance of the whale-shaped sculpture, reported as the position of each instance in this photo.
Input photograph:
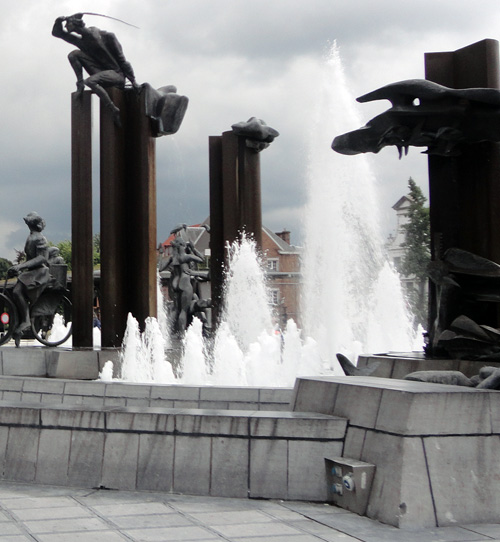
(425, 114)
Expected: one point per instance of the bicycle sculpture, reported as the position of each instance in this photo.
(38, 299)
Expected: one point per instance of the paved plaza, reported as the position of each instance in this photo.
(52, 514)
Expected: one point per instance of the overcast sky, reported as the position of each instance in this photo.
(234, 59)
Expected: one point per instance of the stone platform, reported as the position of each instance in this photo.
(153, 437)
(399, 364)
(435, 447)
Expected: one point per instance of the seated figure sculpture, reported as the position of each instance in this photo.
(33, 274)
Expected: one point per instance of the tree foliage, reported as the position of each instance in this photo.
(66, 246)
(417, 253)
(4, 266)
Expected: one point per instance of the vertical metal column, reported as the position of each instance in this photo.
(464, 191)
(128, 218)
(235, 203)
(140, 223)
(217, 251)
(81, 219)
(112, 212)
(250, 199)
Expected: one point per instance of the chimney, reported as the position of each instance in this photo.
(285, 235)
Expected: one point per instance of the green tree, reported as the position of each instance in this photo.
(65, 251)
(417, 253)
(66, 246)
(97, 249)
(4, 265)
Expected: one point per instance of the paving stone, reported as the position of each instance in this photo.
(97, 536)
(236, 517)
(267, 529)
(59, 512)
(175, 534)
(29, 499)
(131, 509)
(171, 519)
(66, 525)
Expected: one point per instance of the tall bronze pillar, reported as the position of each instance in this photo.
(81, 219)
(128, 217)
(464, 191)
(235, 202)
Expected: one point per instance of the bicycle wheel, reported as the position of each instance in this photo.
(54, 330)
(8, 319)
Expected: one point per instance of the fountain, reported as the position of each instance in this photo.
(352, 299)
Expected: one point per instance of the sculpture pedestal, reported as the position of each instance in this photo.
(435, 447)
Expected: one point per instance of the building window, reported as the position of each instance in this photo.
(274, 297)
(272, 264)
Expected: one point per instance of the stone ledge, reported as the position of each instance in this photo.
(100, 393)
(199, 452)
(401, 407)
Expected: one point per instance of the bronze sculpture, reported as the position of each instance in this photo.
(100, 54)
(43, 270)
(183, 283)
(425, 114)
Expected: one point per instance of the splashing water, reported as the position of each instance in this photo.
(352, 298)
(352, 301)
(246, 351)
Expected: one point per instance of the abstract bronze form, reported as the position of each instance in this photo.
(257, 133)
(100, 54)
(165, 108)
(425, 114)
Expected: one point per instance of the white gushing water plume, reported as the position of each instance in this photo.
(352, 300)
(247, 350)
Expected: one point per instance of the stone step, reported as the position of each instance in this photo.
(266, 454)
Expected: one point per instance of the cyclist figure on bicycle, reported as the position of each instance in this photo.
(33, 274)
